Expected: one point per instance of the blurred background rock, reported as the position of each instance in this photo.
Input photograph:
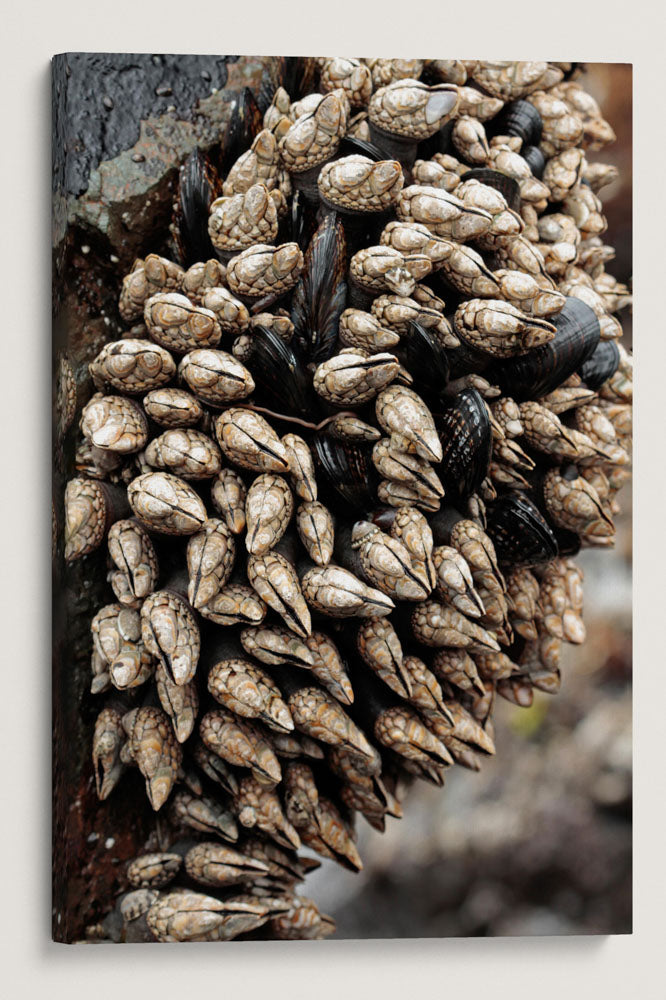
(540, 841)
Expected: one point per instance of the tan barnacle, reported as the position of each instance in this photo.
(301, 466)
(477, 549)
(359, 184)
(413, 238)
(584, 207)
(166, 503)
(426, 692)
(393, 463)
(239, 221)
(401, 411)
(113, 628)
(107, 740)
(596, 130)
(563, 172)
(442, 213)
(498, 328)
(521, 255)
(275, 645)
(344, 428)
(456, 666)
(240, 743)
(268, 509)
(465, 728)
(259, 164)
(147, 277)
(277, 109)
(400, 729)
(179, 701)
(351, 377)
(454, 581)
(315, 135)
(506, 224)
(156, 752)
(152, 871)
(302, 922)
(509, 80)
(524, 292)
(562, 127)
(466, 270)
(397, 494)
(132, 366)
(385, 71)
(234, 604)
(263, 270)
(379, 646)
(315, 529)
(411, 109)
(228, 495)
(319, 716)
(278, 322)
(412, 529)
(522, 590)
(185, 452)
(386, 563)
(545, 431)
(184, 915)
(317, 820)
(174, 323)
(574, 504)
(90, 509)
(172, 407)
(305, 106)
(476, 104)
(593, 421)
(335, 591)
(132, 666)
(258, 805)
(469, 138)
(215, 376)
(276, 582)
(383, 269)
(201, 277)
(170, 632)
(248, 691)
(507, 161)
(436, 625)
(560, 604)
(219, 866)
(350, 75)
(210, 560)
(559, 241)
(329, 668)
(114, 423)
(398, 312)
(204, 814)
(230, 313)
(437, 174)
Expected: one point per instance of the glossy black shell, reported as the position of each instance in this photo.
(424, 359)
(519, 532)
(196, 191)
(351, 145)
(535, 374)
(245, 122)
(602, 363)
(466, 436)
(535, 160)
(501, 182)
(321, 293)
(280, 375)
(346, 475)
(519, 118)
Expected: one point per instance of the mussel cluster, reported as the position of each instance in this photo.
(342, 459)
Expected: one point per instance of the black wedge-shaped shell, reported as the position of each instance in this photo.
(535, 374)
(279, 374)
(425, 360)
(519, 118)
(467, 440)
(321, 293)
(494, 179)
(601, 364)
(520, 534)
(245, 122)
(347, 474)
(535, 160)
(197, 189)
(351, 145)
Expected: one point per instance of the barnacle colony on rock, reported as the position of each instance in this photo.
(342, 466)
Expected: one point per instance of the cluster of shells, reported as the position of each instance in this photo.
(341, 468)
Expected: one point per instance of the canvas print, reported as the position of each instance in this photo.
(341, 498)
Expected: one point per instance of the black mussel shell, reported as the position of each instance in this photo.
(198, 186)
(464, 360)
(464, 430)
(280, 374)
(424, 359)
(346, 474)
(245, 122)
(321, 293)
(440, 142)
(519, 118)
(602, 363)
(501, 182)
(519, 532)
(351, 146)
(300, 76)
(534, 159)
(535, 374)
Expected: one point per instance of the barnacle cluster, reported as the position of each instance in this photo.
(341, 461)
